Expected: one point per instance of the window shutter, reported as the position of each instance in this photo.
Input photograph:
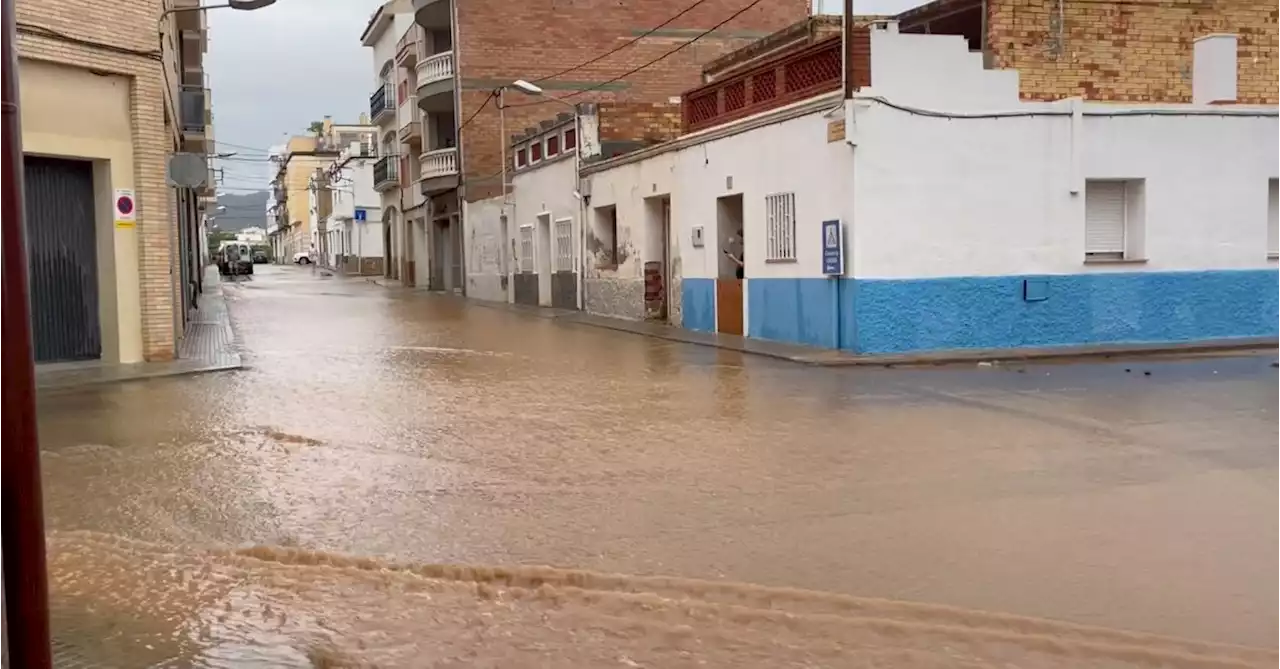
(1104, 207)
(1273, 217)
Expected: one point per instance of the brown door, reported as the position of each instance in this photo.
(729, 306)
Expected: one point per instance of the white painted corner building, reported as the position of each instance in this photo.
(969, 218)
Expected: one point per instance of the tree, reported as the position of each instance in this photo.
(316, 127)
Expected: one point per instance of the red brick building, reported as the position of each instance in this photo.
(548, 41)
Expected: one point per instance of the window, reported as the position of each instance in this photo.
(535, 152)
(570, 138)
(564, 245)
(1113, 220)
(605, 231)
(1273, 218)
(522, 157)
(780, 227)
(553, 146)
(526, 248)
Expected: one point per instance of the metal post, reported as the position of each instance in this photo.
(502, 135)
(26, 586)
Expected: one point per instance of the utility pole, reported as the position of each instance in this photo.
(26, 582)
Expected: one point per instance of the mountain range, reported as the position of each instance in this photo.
(243, 210)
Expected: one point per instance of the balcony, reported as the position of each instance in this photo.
(775, 82)
(435, 82)
(191, 115)
(439, 171)
(407, 46)
(386, 173)
(382, 104)
(411, 132)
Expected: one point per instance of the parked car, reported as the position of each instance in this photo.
(302, 258)
(260, 257)
(235, 258)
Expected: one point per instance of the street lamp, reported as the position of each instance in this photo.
(241, 5)
(529, 88)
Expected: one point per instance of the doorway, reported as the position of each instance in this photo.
(62, 259)
(729, 278)
(543, 257)
(657, 258)
(389, 260)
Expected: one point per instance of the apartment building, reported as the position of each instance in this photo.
(393, 110)
(341, 195)
(295, 165)
(454, 58)
(113, 251)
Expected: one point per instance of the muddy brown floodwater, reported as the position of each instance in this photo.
(404, 480)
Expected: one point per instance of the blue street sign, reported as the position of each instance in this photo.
(362, 215)
(832, 248)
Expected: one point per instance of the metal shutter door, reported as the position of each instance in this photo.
(1273, 216)
(1104, 217)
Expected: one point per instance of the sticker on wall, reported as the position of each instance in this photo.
(835, 131)
(126, 209)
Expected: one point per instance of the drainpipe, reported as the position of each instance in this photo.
(26, 586)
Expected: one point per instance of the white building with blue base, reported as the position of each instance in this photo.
(971, 219)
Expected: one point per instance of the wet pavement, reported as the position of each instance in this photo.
(202, 521)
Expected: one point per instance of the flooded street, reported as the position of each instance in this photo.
(300, 512)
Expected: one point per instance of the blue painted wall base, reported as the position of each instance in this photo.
(698, 304)
(916, 315)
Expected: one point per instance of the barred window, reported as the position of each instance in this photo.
(780, 227)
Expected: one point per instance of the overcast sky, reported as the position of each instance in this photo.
(275, 70)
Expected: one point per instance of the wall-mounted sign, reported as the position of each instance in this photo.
(361, 215)
(835, 131)
(126, 210)
(832, 248)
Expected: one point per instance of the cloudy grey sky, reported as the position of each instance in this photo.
(275, 70)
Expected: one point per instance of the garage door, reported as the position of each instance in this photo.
(62, 259)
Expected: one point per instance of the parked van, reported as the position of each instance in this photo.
(235, 258)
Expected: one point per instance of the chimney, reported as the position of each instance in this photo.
(1213, 72)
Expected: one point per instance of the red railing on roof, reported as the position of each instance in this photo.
(779, 81)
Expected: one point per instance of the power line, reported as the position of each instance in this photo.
(625, 45)
(628, 73)
(473, 116)
(49, 33)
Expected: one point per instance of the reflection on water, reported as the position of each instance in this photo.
(376, 424)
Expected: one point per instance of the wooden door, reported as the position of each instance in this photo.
(729, 306)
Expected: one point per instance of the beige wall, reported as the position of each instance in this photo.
(53, 124)
(62, 118)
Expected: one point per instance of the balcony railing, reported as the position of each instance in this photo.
(386, 172)
(410, 130)
(192, 105)
(382, 101)
(435, 68)
(407, 45)
(780, 81)
(439, 163)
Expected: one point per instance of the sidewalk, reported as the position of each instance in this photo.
(208, 346)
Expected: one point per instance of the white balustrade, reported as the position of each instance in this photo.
(439, 163)
(436, 68)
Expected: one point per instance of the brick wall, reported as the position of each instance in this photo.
(498, 43)
(645, 122)
(131, 25)
(1131, 50)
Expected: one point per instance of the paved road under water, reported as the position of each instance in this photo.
(203, 521)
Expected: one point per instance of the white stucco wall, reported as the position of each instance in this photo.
(488, 263)
(545, 191)
(790, 156)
